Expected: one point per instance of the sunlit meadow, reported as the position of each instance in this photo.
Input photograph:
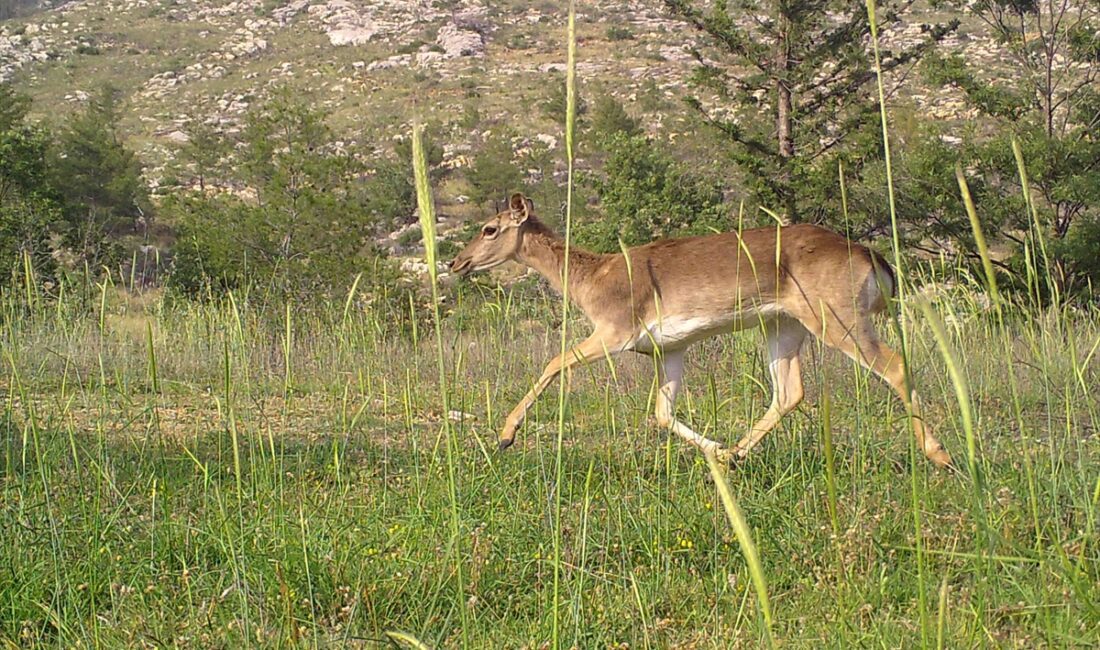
(235, 473)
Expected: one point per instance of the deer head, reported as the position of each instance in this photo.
(499, 240)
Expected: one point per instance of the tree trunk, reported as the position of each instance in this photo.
(783, 121)
(1048, 96)
(786, 151)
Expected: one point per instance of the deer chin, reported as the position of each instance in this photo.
(485, 267)
(467, 267)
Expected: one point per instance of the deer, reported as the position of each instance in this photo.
(660, 298)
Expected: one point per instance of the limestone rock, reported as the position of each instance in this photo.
(457, 41)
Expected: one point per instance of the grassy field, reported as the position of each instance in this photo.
(234, 474)
(220, 477)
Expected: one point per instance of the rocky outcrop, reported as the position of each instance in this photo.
(457, 41)
(348, 23)
(22, 45)
(244, 43)
(287, 12)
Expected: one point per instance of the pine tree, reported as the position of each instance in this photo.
(104, 196)
(795, 77)
(28, 208)
(609, 117)
(204, 151)
(493, 175)
(1049, 104)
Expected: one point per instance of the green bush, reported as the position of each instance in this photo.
(617, 33)
(26, 225)
(609, 118)
(554, 105)
(30, 214)
(1079, 254)
(410, 237)
(646, 194)
(493, 173)
(306, 224)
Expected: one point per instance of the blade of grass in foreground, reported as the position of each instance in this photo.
(1025, 186)
(962, 391)
(979, 236)
(426, 210)
(744, 540)
(570, 120)
(900, 325)
(962, 396)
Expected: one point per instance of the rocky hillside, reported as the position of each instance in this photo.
(371, 63)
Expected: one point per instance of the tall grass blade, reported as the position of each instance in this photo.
(426, 211)
(900, 323)
(151, 351)
(30, 284)
(288, 342)
(570, 124)
(941, 614)
(231, 418)
(830, 460)
(745, 541)
(407, 640)
(351, 298)
(979, 236)
(962, 389)
(1033, 212)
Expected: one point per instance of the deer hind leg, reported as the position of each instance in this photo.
(670, 374)
(886, 363)
(862, 344)
(784, 340)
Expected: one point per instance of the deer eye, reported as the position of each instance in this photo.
(489, 231)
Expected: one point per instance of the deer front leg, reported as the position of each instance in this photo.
(670, 374)
(784, 341)
(591, 348)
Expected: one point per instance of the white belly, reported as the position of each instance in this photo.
(677, 332)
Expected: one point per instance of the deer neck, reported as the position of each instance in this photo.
(545, 252)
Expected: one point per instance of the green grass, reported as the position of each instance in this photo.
(235, 475)
(125, 522)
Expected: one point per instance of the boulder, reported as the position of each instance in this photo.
(457, 41)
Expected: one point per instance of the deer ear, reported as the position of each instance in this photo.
(521, 208)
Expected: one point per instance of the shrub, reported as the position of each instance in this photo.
(618, 33)
(609, 118)
(646, 194)
(493, 173)
(305, 226)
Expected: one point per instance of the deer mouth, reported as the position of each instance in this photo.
(461, 266)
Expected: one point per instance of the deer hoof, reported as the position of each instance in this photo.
(941, 458)
(505, 443)
(725, 456)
